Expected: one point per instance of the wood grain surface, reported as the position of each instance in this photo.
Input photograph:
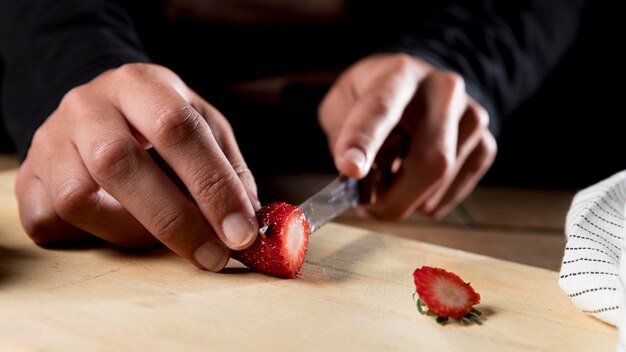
(354, 294)
(515, 224)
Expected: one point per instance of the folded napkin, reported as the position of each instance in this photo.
(592, 273)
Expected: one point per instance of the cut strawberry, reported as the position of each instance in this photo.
(445, 295)
(280, 248)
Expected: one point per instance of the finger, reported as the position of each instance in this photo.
(473, 170)
(236, 160)
(183, 138)
(376, 111)
(37, 215)
(432, 156)
(472, 126)
(334, 108)
(124, 169)
(80, 201)
(225, 137)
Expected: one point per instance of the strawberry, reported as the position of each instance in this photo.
(445, 295)
(280, 248)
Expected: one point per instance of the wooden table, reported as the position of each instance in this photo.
(519, 225)
(354, 294)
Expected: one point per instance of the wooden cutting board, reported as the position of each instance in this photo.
(354, 294)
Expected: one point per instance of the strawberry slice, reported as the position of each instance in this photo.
(280, 248)
(446, 295)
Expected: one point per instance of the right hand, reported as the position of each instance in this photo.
(88, 171)
(443, 145)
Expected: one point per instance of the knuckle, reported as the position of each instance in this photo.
(224, 126)
(76, 104)
(482, 116)
(438, 163)
(241, 169)
(364, 136)
(246, 177)
(174, 124)
(212, 189)
(40, 137)
(72, 200)
(378, 101)
(110, 157)
(148, 73)
(401, 63)
(133, 71)
(450, 79)
(169, 223)
(76, 98)
(76, 94)
(222, 131)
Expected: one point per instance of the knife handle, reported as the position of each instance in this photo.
(385, 166)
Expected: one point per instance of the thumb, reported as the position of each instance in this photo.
(369, 122)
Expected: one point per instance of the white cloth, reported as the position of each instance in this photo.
(592, 273)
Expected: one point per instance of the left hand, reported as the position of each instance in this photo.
(450, 145)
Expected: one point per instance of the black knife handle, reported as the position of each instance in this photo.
(385, 166)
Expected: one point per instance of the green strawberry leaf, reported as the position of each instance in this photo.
(473, 317)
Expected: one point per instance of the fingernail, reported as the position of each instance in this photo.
(356, 156)
(212, 256)
(238, 229)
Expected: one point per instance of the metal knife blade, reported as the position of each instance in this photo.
(344, 193)
(340, 195)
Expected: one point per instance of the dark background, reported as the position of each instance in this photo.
(569, 135)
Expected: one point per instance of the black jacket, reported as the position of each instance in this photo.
(504, 49)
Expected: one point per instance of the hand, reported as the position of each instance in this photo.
(450, 145)
(88, 170)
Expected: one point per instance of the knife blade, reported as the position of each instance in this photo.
(344, 193)
(337, 197)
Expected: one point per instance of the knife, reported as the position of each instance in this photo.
(338, 196)
(341, 194)
(344, 193)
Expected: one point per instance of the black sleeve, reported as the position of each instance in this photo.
(503, 49)
(47, 47)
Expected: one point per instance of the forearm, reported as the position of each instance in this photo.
(51, 46)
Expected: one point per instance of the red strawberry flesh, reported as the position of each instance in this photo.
(281, 246)
(444, 293)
